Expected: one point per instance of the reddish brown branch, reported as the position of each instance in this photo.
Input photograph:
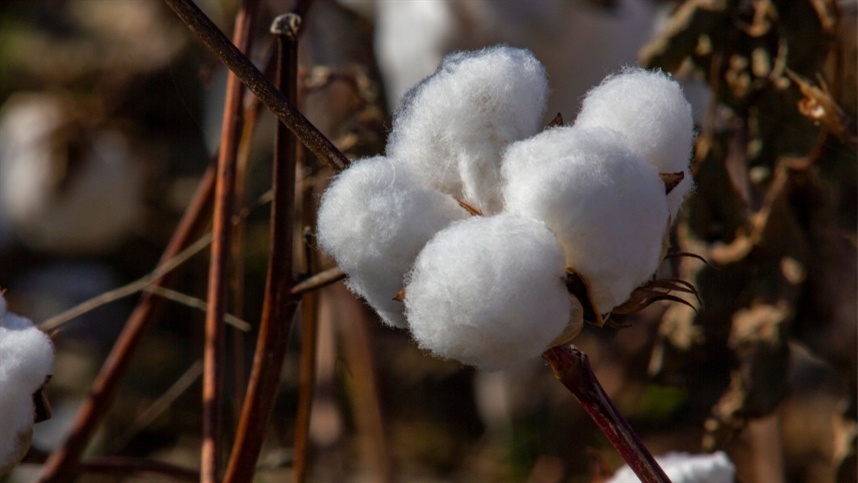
(572, 368)
(241, 66)
(309, 315)
(239, 369)
(279, 304)
(220, 252)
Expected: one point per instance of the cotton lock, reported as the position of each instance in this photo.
(374, 219)
(452, 127)
(605, 203)
(489, 292)
(26, 360)
(651, 111)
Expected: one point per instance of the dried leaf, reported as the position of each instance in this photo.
(613, 323)
(42, 405)
(689, 255)
(654, 291)
(675, 284)
(556, 122)
(818, 106)
(671, 180)
(640, 300)
(580, 287)
(469, 208)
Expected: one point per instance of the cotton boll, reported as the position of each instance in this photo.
(452, 127)
(374, 219)
(687, 468)
(27, 359)
(605, 203)
(651, 111)
(489, 292)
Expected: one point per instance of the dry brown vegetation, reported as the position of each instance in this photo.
(765, 370)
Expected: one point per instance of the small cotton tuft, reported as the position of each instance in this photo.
(374, 219)
(452, 128)
(489, 292)
(605, 203)
(687, 468)
(26, 359)
(651, 111)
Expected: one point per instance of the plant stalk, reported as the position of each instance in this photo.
(279, 304)
(269, 95)
(220, 255)
(572, 368)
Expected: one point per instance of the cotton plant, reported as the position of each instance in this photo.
(26, 362)
(687, 468)
(493, 238)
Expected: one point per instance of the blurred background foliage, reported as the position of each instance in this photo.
(111, 112)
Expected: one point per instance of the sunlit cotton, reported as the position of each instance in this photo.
(605, 203)
(489, 292)
(374, 219)
(651, 111)
(453, 126)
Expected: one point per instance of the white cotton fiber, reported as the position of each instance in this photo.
(452, 128)
(651, 111)
(26, 359)
(489, 292)
(605, 203)
(374, 219)
(687, 468)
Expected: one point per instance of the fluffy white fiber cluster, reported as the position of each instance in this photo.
(374, 220)
(687, 468)
(26, 359)
(651, 111)
(453, 127)
(488, 289)
(604, 202)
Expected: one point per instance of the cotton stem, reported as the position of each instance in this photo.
(279, 304)
(572, 368)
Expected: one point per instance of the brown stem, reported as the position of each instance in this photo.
(572, 368)
(220, 251)
(241, 66)
(319, 280)
(64, 461)
(279, 304)
(239, 370)
(236, 283)
(309, 315)
(301, 9)
(306, 383)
